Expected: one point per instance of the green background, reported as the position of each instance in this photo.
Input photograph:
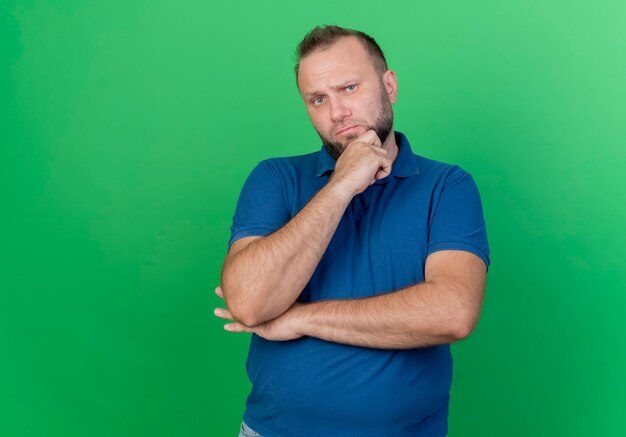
(127, 130)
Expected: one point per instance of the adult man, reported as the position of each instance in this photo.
(354, 266)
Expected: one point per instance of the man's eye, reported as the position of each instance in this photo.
(350, 87)
(318, 100)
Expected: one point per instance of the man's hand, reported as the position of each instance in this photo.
(281, 328)
(362, 162)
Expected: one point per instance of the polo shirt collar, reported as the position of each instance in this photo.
(405, 164)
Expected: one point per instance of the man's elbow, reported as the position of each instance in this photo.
(241, 310)
(463, 327)
(243, 306)
(246, 317)
(236, 301)
(461, 332)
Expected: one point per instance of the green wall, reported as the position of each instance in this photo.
(127, 130)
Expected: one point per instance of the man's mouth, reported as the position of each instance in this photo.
(345, 129)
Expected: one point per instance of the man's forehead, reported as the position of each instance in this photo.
(338, 63)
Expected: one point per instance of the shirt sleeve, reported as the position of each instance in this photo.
(457, 221)
(261, 208)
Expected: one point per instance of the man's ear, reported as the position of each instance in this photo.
(391, 85)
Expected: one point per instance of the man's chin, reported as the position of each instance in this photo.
(337, 147)
(334, 149)
(348, 139)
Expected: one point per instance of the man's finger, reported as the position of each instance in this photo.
(219, 292)
(369, 137)
(384, 170)
(237, 327)
(380, 150)
(223, 313)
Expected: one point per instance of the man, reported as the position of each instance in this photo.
(354, 267)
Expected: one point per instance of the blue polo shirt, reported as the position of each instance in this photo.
(311, 387)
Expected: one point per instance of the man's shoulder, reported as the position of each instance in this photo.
(431, 168)
(426, 168)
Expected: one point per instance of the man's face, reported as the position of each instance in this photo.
(344, 95)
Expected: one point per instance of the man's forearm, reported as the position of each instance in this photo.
(421, 315)
(443, 309)
(264, 279)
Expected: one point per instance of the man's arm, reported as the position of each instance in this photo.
(443, 309)
(263, 276)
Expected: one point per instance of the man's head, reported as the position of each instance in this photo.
(347, 89)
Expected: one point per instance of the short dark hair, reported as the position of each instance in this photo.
(322, 37)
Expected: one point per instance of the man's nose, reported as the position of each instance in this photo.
(338, 109)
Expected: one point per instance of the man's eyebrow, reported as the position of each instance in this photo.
(341, 85)
(314, 93)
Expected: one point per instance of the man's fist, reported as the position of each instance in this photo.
(361, 163)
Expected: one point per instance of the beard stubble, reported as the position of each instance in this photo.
(382, 126)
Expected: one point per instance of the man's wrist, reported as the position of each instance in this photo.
(340, 190)
(301, 318)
